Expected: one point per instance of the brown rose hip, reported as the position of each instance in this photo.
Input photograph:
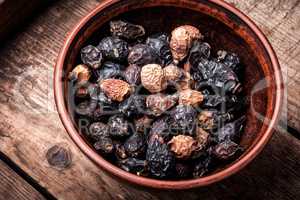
(80, 73)
(115, 89)
(183, 146)
(173, 73)
(190, 97)
(152, 78)
(159, 103)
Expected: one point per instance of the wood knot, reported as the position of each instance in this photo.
(59, 157)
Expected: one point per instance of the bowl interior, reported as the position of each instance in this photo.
(221, 28)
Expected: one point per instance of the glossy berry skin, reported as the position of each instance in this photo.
(141, 55)
(113, 48)
(108, 70)
(183, 119)
(161, 161)
(91, 56)
(133, 165)
(135, 145)
(118, 127)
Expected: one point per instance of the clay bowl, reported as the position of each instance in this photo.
(224, 27)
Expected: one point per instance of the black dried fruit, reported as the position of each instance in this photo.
(97, 130)
(86, 108)
(126, 30)
(230, 59)
(141, 55)
(231, 131)
(133, 165)
(119, 127)
(132, 74)
(135, 145)
(120, 151)
(91, 56)
(142, 124)
(183, 170)
(106, 104)
(134, 105)
(225, 150)
(104, 145)
(108, 70)
(183, 119)
(114, 48)
(199, 50)
(202, 166)
(161, 47)
(161, 127)
(161, 161)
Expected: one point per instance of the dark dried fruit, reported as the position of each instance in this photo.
(161, 127)
(202, 139)
(183, 119)
(115, 89)
(133, 106)
(133, 165)
(119, 127)
(126, 30)
(114, 48)
(202, 166)
(160, 103)
(108, 70)
(183, 146)
(80, 73)
(86, 108)
(141, 55)
(199, 50)
(161, 161)
(97, 130)
(120, 151)
(107, 105)
(143, 124)
(231, 131)
(183, 170)
(160, 45)
(208, 120)
(225, 150)
(104, 145)
(91, 56)
(152, 78)
(132, 74)
(135, 145)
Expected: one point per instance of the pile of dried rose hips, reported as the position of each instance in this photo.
(159, 106)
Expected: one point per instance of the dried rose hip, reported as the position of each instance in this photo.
(80, 73)
(173, 73)
(113, 48)
(160, 103)
(115, 89)
(152, 78)
(91, 56)
(183, 146)
(141, 55)
(126, 30)
(119, 127)
(190, 97)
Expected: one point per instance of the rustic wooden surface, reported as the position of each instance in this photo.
(30, 126)
(13, 187)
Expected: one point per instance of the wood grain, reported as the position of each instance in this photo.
(280, 21)
(13, 187)
(30, 126)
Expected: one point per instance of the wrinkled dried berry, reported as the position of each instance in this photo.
(115, 89)
(152, 78)
(133, 106)
(86, 108)
(183, 119)
(120, 151)
(183, 170)
(173, 73)
(80, 73)
(132, 74)
(119, 127)
(190, 97)
(113, 48)
(91, 56)
(160, 103)
(126, 30)
(104, 145)
(143, 124)
(161, 161)
(202, 166)
(141, 55)
(202, 139)
(225, 150)
(161, 127)
(161, 47)
(133, 165)
(199, 50)
(97, 130)
(183, 146)
(135, 145)
(108, 70)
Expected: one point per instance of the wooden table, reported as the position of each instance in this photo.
(30, 126)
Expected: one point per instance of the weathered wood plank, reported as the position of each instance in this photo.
(280, 21)
(14, 187)
(30, 126)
